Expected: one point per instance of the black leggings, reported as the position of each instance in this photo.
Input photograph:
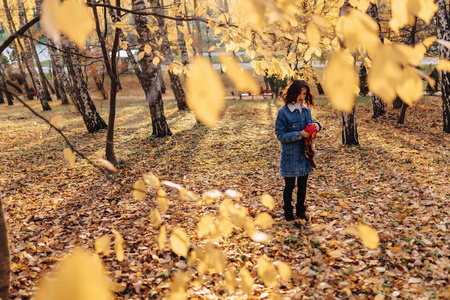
(301, 194)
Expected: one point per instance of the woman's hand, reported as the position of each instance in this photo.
(305, 134)
(317, 126)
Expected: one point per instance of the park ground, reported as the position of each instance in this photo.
(396, 182)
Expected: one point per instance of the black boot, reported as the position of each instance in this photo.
(288, 212)
(300, 211)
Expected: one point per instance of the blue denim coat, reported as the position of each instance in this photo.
(288, 125)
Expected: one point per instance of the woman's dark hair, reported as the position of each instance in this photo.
(292, 91)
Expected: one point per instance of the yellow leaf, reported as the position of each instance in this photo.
(118, 245)
(254, 11)
(156, 60)
(264, 220)
(312, 35)
(267, 271)
(179, 241)
(69, 156)
(284, 270)
(357, 28)
(268, 201)
(214, 259)
(400, 15)
(72, 18)
(241, 79)
(230, 279)
(151, 180)
(409, 87)
(102, 245)
(205, 92)
(246, 281)
(204, 225)
(81, 275)
(117, 287)
(424, 9)
(141, 55)
(225, 227)
(321, 22)
(147, 49)
(162, 201)
(178, 287)
(155, 218)
(369, 237)
(162, 237)
(385, 73)
(139, 190)
(107, 164)
(412, 55)
(57, 120)
(443, 65)
(341, 82)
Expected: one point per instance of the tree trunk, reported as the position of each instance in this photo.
(175, 81)
(412, 41)
(199, 33)
(41, 72)
(443, 33)
(208, 38)
(99, 84)
(5, 264)
(189, 27)
(111, 69)
(149, 75)
(401, 116)
(84, 103)
(349, 130)
(9, 98)
(12, 29)
(161, 79)
(29, 56)
(2, 101)
(180, 38)
(397, 103)
(378, 105)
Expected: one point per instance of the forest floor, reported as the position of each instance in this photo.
(396, 181)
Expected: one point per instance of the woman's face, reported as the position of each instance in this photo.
(301, 97)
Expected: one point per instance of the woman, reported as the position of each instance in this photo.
(291, 121)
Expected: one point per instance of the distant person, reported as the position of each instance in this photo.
(292, 119)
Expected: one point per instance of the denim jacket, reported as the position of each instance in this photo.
(288, 126)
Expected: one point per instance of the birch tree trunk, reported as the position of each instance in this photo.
(5, 264)
(29, 56)
(443, 32)
(378, 105)
(199, 33)
(189, 28)
(175, 81)
(208, 39)
(58, 72)
(12, 29)
(349, 128)
(150, 80)
(82, 99)
(180, 37)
